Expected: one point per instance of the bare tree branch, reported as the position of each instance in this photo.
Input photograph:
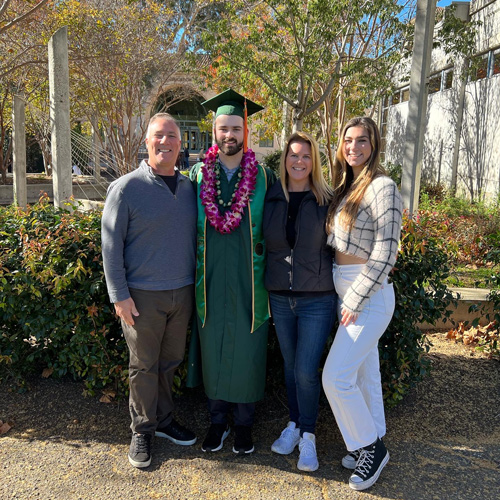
(20, 18)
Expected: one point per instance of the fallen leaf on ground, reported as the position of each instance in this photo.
(107, 396)
(4, 427)
(47, 372)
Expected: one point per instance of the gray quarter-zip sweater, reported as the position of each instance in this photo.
(148, 234)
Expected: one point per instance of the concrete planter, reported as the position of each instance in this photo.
(80, 191)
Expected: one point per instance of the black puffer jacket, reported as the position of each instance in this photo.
(308, 266)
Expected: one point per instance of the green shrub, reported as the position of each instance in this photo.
(490, 340)
(272, 161)
(421, 296)
(436, 192)
(54, 311)
(394, 171)
(472, 234)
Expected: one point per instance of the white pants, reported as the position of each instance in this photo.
(351, 376)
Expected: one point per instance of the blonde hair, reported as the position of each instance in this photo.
(343, 176)
(319, 186)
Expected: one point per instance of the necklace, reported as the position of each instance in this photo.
(210, 191)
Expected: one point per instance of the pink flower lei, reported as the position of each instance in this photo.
(231, 219)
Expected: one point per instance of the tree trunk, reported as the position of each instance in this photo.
(285, 131)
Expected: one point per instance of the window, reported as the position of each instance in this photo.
(479, 67)
(448, 79)
(396, 98)
(434, 83)
(496, 62)
(385, 113)
(264, 140)
(405, 94)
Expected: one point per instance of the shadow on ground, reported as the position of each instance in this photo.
(444, 442)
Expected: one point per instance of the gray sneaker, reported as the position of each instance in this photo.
(139, 454)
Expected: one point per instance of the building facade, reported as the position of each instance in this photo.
(462, 137)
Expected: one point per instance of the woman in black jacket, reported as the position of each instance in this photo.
(299, 279)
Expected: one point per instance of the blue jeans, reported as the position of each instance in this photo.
(303, 325)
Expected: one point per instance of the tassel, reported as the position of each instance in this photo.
(245, 128)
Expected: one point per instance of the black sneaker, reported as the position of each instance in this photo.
(372, 460)
(243, 439)
(215, 437)
(139, 454)
(177, 433)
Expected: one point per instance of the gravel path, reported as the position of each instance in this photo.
(444, 442)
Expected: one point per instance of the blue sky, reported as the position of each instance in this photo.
(444, 3)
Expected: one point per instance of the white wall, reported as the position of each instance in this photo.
(478, 172)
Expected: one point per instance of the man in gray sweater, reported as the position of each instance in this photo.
(148, 248)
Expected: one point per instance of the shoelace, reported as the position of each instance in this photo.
(307, 448)
(365, 462)
(141, 444)
(288, 434)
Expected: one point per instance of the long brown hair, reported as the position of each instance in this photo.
(319, 186)
(343, 176)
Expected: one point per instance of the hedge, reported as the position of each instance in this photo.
(56, 318)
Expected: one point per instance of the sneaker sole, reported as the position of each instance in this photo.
(139, 465)
(243, 452)
(175, 441)
(370, 482)
(305, 468)
(224, 436)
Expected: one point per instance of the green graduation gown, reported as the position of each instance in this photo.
(232, 303)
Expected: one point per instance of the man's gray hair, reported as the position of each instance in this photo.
(162, 116)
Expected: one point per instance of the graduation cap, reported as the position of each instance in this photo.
(230, 102)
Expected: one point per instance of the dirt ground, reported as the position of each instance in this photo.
(444, 441)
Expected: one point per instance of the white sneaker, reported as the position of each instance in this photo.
(351, 459)
(288, 440)
(308, 460)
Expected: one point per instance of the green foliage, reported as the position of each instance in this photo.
(394, 171)
(471, 230)
(55, 313)
(488, 339)
(421, 296)
(54, 309)
(492, 344)
(272, 161)
(456, 36)
(306, 53)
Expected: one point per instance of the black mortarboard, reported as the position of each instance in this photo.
(230, 102)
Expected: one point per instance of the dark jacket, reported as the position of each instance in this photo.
(308, 266)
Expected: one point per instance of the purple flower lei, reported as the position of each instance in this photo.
(231, 219)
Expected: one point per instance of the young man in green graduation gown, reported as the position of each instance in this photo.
(231, 301)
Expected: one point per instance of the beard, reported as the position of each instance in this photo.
(229, 149)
